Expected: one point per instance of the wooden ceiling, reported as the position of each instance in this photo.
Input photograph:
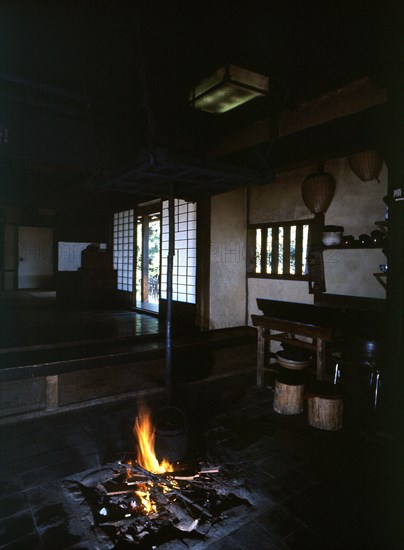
(86, 85)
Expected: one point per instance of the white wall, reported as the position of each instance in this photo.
(228, 260)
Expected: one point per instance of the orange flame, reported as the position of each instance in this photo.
(146, 456)
(149, 507)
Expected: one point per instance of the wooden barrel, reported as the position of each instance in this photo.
(288, 398)
(325, 413)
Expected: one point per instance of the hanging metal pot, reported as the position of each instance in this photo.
(171, 434)
(366, 165)
(318, 191)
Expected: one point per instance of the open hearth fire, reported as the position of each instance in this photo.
(143, 503)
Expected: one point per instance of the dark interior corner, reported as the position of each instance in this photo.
(201, 211)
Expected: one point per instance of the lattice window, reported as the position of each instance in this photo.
(123, 248)
(184, 265)
(279, 250)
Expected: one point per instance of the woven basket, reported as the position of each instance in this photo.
(318, 191)
(366, 165)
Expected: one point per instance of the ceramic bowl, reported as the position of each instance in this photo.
(331, 238)
(348, 240)
(295, 364)
(377, 237)
(365, 240)
(332, 235)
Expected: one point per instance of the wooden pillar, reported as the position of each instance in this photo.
(320, 359)
(203, 264)
(145, 259)
(392, 373)
(260, 356)
(316, 265)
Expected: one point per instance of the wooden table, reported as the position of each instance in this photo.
(287, 331)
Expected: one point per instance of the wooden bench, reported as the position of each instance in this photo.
(313, 326)
(288, 332)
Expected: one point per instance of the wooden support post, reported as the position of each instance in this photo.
(260, 356)
(320, 359)
(52, 392)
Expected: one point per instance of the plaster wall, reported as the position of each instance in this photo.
(350, 272)
(356, 206)
(279, 201)
(273, 289)
(228, 260)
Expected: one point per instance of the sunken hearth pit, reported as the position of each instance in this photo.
(140, 502)
(189, 505)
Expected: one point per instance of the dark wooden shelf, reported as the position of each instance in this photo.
(353, 246)
(379, 277)
(383, 225)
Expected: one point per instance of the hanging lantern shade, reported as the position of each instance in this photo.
(226, 89)
(366, 165)
(318, 191)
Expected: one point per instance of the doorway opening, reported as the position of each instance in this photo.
(141, 238)
(35, 265)
(148, 231)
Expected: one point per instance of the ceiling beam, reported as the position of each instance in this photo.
(337, 138)
(350, 99)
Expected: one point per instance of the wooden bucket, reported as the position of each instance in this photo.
(325, 412)
(288, 398)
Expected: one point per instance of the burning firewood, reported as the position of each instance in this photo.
(145, 502)
(182, 508)
(165, 481)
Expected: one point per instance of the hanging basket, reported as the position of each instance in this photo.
(318, 191)
(366, 165)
